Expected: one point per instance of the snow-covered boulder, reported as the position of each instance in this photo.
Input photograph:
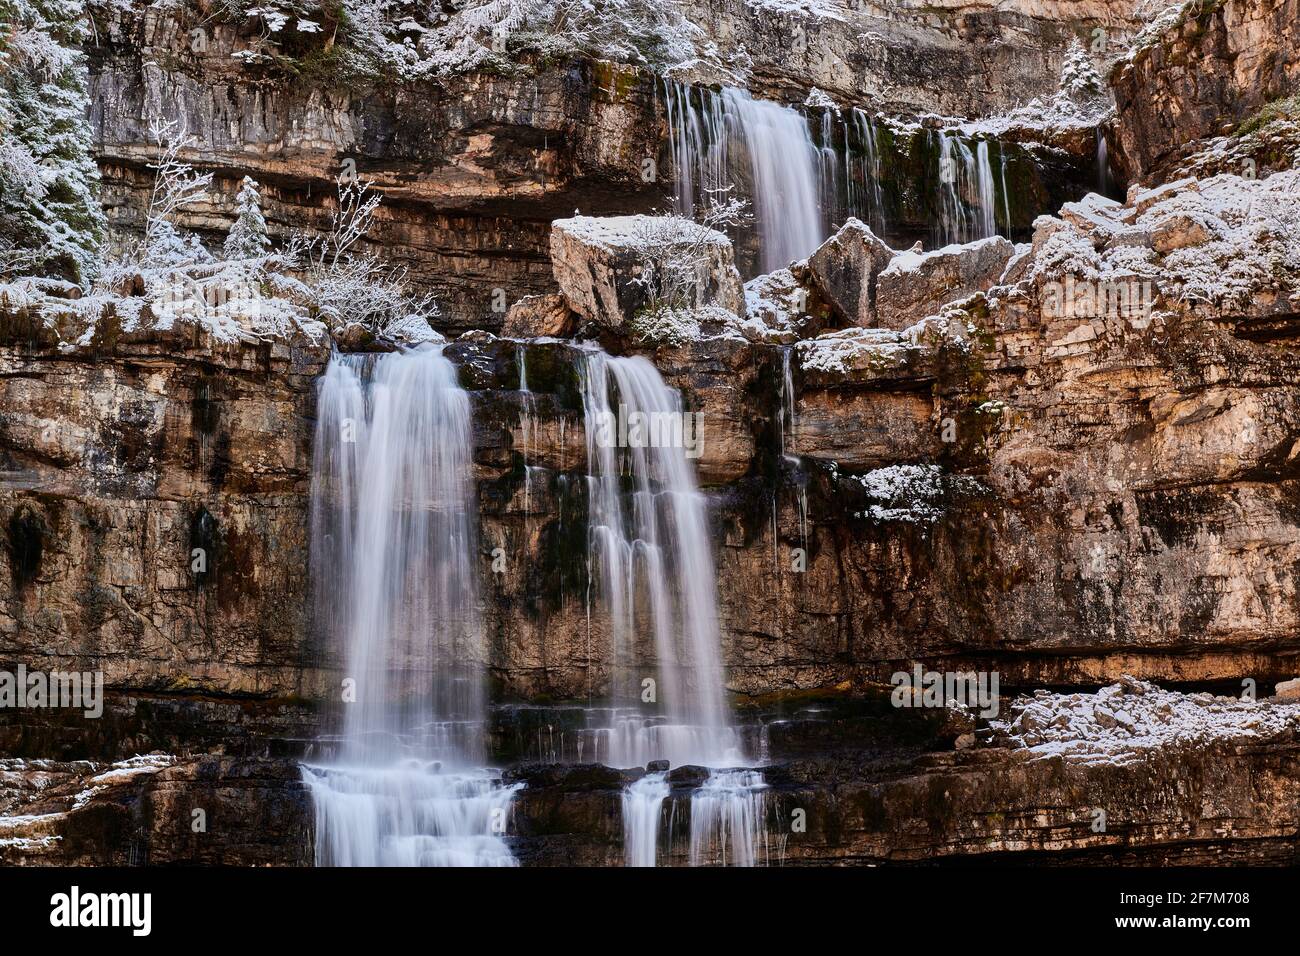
(859, 356)
(844, 270)
(778, 309)
(609, 268)
(916, 284)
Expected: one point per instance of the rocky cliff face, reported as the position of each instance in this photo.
(1216, 64)
(954, 58)
(472, 170)
(474, 167)
(1064, 461)
(154, 509)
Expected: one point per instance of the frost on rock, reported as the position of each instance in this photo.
(395, 38)
(775, 308)
(610, 269)
(1122, 722)
(37, 797)
(859, 354)
(1268, 141)
(915, 285)
(917, 494)
(824, 9)
(1228, 242)
(1166, 22)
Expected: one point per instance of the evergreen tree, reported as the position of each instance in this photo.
(247, 238)
(51, 222)
(1079, 81)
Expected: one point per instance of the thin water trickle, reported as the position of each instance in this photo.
(967, 194)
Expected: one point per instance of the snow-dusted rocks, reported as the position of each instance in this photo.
(858, 354)
(610, 268)
(915, 494)
(916, 284)
(1121, 722)
(777, 308)
(844, 270)
(1228, 244)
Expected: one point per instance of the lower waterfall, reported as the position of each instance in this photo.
(652, 559)
(393, 531)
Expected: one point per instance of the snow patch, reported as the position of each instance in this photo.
(1123, 721)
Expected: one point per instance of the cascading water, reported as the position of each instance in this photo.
(650, 550)
(805, 172)
(967, 194)
(727, 820)
(643, 802)
(393, 540)
(764, 152)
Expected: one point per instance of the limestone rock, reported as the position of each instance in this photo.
(916, 285)
(1224, 62)
(539, 316)
(844, 270)
(600, 264)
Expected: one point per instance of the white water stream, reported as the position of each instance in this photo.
(652, 563)
(393, 540)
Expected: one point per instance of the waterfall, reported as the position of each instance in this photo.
(655, 568)
(394, 536)
(870, 206)
(727, 816)
(651, 556)
(806, 171)
(967, 195)
(1104, 181)
(764, 151)
(643, 803)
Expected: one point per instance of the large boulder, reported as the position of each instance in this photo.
(539, 316)
(916, 284)
(844, 270)
(601, 265)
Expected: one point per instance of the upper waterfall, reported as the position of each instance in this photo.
(807, 170)
(765, 150)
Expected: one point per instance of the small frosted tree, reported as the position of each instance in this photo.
(51, 223)
(1079, 80)
(247, 238)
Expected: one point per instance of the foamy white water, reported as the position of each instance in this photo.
(643, 803)
(394, 527)
(727, 820)
(968, 197)
(651, 553)
(411, 814)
